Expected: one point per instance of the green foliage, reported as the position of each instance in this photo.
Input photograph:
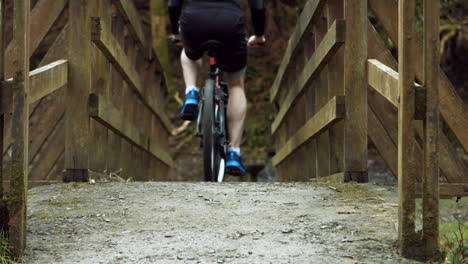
(447, 9)
(5, 250)
(454, 243)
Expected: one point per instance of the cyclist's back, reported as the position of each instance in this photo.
(222, 21)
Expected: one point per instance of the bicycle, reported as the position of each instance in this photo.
(211, 122)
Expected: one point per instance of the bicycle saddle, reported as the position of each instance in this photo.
(213, 47)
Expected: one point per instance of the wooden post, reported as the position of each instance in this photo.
(431, 151)
(3, 208)
(336, 88)
(158, 27)
(19, 132)
(2, 79)
(321, 98)
(115, 91)
(101, 85)
(79, 86)
(355, 81)
(406, 173)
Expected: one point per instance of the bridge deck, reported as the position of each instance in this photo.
(212, 223)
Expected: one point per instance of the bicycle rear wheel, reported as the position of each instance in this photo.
(211, 155)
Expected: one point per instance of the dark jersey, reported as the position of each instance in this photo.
(256, 8)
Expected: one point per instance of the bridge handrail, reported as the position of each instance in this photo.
(452, 106)
(311, 11)
(320, 58)
(86, 109)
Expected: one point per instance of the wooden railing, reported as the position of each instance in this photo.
(322, 80)
(95, 103)
(329, 87)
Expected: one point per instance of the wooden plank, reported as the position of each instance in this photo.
(107, 114)
(431, 64)
(406, 172)
(99, 154)
(450, 163)
(451, 105)
(448, 190)
(323, 119)
(127, 109)
(333, 178)
(45, 11)
(47, 79)
(55, 174)
(336, 88)
(132, 17)
(79, 87)
(17, 201)
(308, 15)
(44, 121)
(52, 149)
(454, 168)
(160, 153)
(321, 98)
(3, 205)
(453, 190)
(324, 52)
(383, 142)
(115, 85)
(139, 114)
(355, 79)
(103, 38)
(3, 221)
(58, 50)
(384, 80)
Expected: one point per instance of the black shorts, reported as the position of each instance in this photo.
(215, 21)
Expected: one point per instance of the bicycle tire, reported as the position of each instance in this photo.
(211, 156)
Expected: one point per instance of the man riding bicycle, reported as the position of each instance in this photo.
(221, 20)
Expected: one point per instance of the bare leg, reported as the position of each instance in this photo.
(190, 70)
(237, 110)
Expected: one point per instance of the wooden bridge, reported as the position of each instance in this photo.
(96, 98)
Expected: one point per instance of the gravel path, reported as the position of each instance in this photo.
(211, 223)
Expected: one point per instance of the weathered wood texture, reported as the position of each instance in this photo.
(451, 165)
(45, 11)
(323, 119)
(355, 79)
(135, 25)
(19, 130)
(111, 117)
(77, 137)
(302, 128)
(104, 39)
(308, 15)
(321, 98)
(451, 106)
(3, 205)
(47, 97)
(336, 88)
(431, 62)
(323, 53)
(406, 168)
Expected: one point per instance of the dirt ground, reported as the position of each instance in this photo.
(161, 222)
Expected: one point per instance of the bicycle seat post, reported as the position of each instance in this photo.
(213, 67)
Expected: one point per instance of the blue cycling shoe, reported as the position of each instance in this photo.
(190, 109)
(234, 164)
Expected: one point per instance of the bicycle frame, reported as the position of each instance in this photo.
(221, 93)
(217, 138)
